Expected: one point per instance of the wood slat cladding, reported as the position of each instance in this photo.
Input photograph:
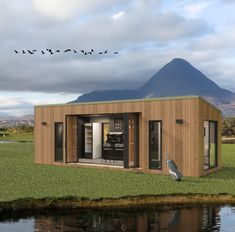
(182, 142)
(132, 141)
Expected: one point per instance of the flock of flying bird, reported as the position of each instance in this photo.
(52, 52)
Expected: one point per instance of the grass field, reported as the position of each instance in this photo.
(21, 178)
(23, 136)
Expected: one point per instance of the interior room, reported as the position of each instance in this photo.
(100, 139)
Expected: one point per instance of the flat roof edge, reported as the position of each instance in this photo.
(134, 100)
(123, 101)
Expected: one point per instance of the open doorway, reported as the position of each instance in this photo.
(102, 139)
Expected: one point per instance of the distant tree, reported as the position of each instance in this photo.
(228, 127)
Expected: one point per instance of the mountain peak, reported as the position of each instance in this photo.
(180, 63)
(176, 78)
(179, 77)
(179, 60)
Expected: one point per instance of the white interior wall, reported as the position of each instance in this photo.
(97, 140)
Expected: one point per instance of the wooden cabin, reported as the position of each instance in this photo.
(139, 135)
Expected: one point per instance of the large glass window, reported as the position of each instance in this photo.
(155, 145)
(210, 144)
(59, 141)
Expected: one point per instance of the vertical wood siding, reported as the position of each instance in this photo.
(182, 142)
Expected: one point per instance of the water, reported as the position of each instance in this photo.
(190, 218)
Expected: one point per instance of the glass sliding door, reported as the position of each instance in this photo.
(206, 145)
(213, 144)
(210, 144)
(59, 141)
(155, 145)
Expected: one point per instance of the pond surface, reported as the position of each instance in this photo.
(190, 218)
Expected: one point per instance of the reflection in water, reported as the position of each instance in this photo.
(196, 218)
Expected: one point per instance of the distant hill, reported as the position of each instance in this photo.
(28, 117)
(12, 121)
(4, 115)
(177, 78)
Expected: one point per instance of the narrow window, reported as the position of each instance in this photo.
(155, 145)
(59, 141)
(210, 144)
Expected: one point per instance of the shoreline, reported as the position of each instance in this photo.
(33, 204)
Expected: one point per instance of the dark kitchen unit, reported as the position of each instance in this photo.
(113, 148)
(113, 140)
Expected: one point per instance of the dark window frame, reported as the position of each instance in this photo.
(55, 143)
(209, 142)
(151, 166)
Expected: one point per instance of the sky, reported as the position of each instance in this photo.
(146, 33)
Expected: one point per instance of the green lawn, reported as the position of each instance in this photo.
(21, 178)
(23, 136)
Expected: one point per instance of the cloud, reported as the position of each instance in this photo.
(159, 28)
(146, 36)
(13, 103)
(21, 103)
(118, 15)
(62, 10)
(56, 9)
(139, 30)
(194, 9)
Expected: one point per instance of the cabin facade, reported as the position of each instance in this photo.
(138, 135)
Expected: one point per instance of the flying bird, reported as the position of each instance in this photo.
(30, 52)
(50, 51)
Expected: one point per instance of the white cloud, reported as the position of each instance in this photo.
(118, 15)
(21, 103)
(57, 9)
(194, 9)
(63, 9)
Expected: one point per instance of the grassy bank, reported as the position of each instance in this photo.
(20, 178)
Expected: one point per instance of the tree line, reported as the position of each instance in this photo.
(16, 129)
